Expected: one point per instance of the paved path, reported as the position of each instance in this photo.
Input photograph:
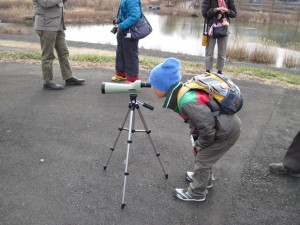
(72, 131)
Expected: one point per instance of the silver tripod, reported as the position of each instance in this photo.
(133, 104)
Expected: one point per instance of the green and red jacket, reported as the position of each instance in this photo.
(206, 127)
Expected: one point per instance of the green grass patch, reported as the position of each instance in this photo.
(149, 63)
(267, 74)
(20, 55)
(92, 58)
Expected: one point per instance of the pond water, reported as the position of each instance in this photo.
(177, 34)
(183, 35)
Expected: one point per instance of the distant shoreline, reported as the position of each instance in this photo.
(32, 37)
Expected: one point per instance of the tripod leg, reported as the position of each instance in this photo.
(129, 141)
(113, 147)
(148, 132)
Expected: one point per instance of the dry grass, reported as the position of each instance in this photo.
(105, 10)
(26, 4)
(263, 17)
(179, 11)
(236, 50)
(291, 61)
(293, 46)
(14, 30)
(93, 4)
(15, 10)
(83, 15)
(263, 52)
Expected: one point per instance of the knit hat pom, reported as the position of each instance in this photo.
(165, 75)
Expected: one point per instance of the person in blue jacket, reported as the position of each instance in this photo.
(127, 54)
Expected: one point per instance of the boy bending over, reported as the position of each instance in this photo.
(213, 135)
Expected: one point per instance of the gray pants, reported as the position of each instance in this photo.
(51, 40)
(127, 57)
(204, 161)
(292, 157)
(209, 52)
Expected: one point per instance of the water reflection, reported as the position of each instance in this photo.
(183, 35)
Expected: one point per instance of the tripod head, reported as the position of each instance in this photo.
(133, 100)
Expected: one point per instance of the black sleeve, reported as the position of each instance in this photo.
(231, 9)
(207, 9)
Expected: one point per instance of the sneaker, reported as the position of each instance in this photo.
(184, 195)
(190, 177)
(280, 169)
(118, 78)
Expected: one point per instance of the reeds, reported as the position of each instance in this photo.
(237, 50)
(26, 4)
(18, 30)
(101, 8)
(262, 52)
(291, 61)
(93, 4)
(84, 15)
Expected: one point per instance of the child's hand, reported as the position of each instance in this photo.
(196, 149)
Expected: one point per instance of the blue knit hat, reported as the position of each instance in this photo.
(165, 75)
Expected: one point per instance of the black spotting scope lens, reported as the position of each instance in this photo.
(145, 84)
(103, 88)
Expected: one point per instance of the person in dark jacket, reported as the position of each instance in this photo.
(291, 161)
(217, 11)
(127, 55)
(50, 26)
(212, 136)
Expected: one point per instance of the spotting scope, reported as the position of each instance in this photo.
(135, 87)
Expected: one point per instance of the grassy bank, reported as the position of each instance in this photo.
(147, 63)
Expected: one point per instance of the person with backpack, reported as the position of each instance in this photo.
(217, 14)
(212, 135)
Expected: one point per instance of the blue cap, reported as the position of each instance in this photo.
(165, 75)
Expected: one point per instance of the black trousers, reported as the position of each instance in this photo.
(292, 157)
(127, 56)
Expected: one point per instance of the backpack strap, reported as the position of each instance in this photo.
(191, 84)
(200, 86)
(184, 89)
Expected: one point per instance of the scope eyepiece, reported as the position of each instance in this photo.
(103, 88)
(145, 84)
